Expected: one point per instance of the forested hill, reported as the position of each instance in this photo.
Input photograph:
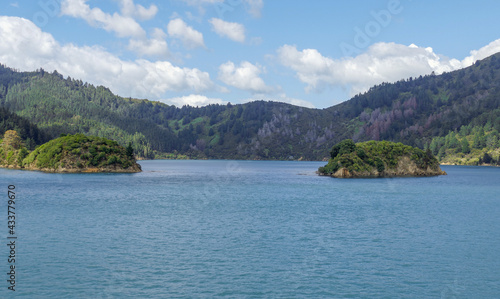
(257, 130)
(416, 109)
(412, 111)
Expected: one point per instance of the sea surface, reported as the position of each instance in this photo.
(252, 229)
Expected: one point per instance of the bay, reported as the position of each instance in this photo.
(253, 229)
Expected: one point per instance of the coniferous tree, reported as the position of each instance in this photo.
(465, 147)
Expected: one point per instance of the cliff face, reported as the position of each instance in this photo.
(71, 153)
(379, 159)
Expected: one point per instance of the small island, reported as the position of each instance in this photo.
(69, 153)
(373, 159)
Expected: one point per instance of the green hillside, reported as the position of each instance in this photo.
(412, 111)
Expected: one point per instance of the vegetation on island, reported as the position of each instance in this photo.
(68, 153)
(414, 111)
(379, 159)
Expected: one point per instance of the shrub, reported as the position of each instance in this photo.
(112, 160)
(379, 164)
(344, 147)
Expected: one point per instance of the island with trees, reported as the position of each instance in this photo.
(68, 153)
(379, 159)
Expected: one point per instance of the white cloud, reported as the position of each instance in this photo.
(382, 62)
(154, 47)
(254, 7)
(233, 31)
(297, 102)
(283, 98)
(245, 77)
(193, 100)
(191, 38)
(129, 9)
(14, 4)
(24, 46)
(123, 26)
(488, 50)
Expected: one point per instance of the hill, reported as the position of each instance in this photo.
(379, 159)
(412, 111)
(71, 153)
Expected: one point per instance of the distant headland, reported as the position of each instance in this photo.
(68, 153)
(379, 159)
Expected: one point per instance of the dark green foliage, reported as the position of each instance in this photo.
(465, 146)
(92, 151)
(344, 147)
(29, 132)
(130, 150)
(487, 158)
(379, 164)
(375, 155)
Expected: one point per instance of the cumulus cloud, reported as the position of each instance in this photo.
(245, 77)
(283, 98)
(233, 31)
(190, 38)
(129, 9)
(488, 50)
(26, 47)
(193, 100)
(123, 26)
(254, 7)
(156, 46)
(382, 62)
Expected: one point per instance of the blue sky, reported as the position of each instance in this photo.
(197, 52)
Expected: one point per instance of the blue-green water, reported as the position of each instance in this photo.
(253, 229)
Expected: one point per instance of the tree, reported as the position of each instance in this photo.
(492, 139)
(487, 158)
(12, 139)
(479, 140)
(465, 146)
(453, 141)
(344, 147)
(130, 150)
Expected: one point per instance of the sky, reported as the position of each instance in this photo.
(197, 52)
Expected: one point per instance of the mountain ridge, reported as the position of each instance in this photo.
(412, 111)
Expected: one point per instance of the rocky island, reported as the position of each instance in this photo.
(69, 153)
(379, 159)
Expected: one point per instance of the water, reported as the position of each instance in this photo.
(237, 229)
